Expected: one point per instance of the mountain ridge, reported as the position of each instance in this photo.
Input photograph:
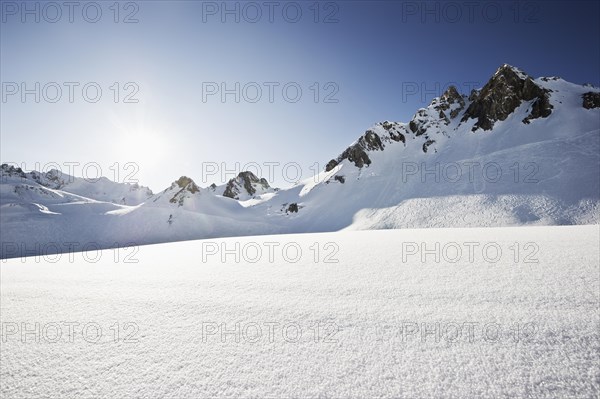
(541, 136)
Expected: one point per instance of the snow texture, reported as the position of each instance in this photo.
(367, 306)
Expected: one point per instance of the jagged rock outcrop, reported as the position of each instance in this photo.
(427, 144)
(396, 131)
(183, 185)
(508, 89)
(51, 179)
(450, 102)
(502, 94)
(357, 153)
(245, 182)
(331, 164)
(447, 101)
(339, 178)
(7, 170)
(591, 100)
(438, 114)
(418, 124)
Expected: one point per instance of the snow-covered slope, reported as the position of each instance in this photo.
(54, 212)
(364, 317)
(519, 151)
(441, 169)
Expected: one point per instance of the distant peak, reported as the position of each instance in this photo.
(247, 175)
(502, 94)
(55, 173)
(6, 166)
(245, 180)
(506, 66)
(451, 91)
(10, 170)
(185, 182)
(451, 94)
(505, 69)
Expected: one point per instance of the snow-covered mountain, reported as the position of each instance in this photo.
(244, 186)
(54, 182)
(519, 151)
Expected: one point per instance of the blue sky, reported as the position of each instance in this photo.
(356, 63)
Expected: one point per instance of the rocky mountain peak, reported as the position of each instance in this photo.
(451, 98)
(506, 90)
(370, 141)
(187, 183)
(12, 171)
(184, 186)
(502, 94)
(245, 183)
(451, 95)
(52, 179)
(509, 70)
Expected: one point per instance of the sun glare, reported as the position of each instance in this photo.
(135, 141)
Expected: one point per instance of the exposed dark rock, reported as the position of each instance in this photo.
(540, 109)
(51, 179)
(397, 136)
(454, 113)
(508, 89)
(185, 184)
(420, 131)
(427, 144)
(339, 178)
(245, 180)
(331, 164)
(230, 192)
(443, 117)
(419, 123)
(450, 97)
(387, 125)
(473, 96)
(357, 153)
(188, 184)
(11, 170)
(372, 141)
(591, 100)
(393, 131)
(502, 94)
(292, 208)
(549, 78)
(413, 126)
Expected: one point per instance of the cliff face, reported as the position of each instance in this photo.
(502, 94)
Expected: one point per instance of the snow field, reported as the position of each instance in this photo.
(390, 313)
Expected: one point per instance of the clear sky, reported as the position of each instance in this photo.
(356, 63)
